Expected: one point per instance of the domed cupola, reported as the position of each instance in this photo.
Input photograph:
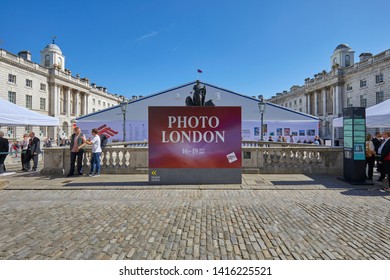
(343, 56)
(52, 57)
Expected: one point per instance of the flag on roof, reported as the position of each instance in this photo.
(200, 71)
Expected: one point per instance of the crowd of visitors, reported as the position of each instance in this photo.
(378, 150)
(29, 148)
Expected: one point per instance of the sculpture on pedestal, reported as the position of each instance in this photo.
(198, 96)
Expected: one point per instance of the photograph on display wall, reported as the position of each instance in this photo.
(246, 133)
(272, 133)
(311, 132)
(279, 131)
(301, 132)
(256, 131)
(287, 132)
(294, 133)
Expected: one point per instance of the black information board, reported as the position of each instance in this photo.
(354, 144)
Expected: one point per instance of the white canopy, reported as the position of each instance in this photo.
(376, 116)
(14, 115)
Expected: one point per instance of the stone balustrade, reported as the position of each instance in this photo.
(114, 160)
(257, 157)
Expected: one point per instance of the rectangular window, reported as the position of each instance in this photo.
(300, 100)
(42, 131)
(42, 104)
(28, 83)
(93, 101)
(349, 103)
(29, 101)
(10, 132)
(43, 87)
(93, 110)
(363, 101)
(27, 129)
(379, 78)
(104, 104)
(363, 83)
(12, 97)
(349, 86)
(12, 78)
(99, 102)
(295, 102)
(379, 97)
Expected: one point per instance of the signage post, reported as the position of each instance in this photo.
(195, 145)
(354, 144)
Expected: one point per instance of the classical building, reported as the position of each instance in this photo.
(348, 83)
(49, 88)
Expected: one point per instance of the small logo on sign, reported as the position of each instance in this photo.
(154, 172)
(231, 157)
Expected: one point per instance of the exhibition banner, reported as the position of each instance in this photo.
(194, 142)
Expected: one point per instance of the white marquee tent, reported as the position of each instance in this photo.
(14, 115)
(278, 119)
(376, 116)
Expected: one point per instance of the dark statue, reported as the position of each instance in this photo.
(198, 96)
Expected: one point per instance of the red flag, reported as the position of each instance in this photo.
(200, 71)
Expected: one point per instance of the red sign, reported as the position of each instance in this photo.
(195, 137)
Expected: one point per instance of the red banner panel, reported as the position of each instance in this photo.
(194, 137)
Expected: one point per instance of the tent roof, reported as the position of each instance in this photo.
(14, 115)
(376, 116)
(220, 97)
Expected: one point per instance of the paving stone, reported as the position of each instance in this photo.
(180, 223)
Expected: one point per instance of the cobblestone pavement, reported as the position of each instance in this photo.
(295, 222)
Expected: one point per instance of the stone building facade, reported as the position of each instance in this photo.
(348, 83)
(49, 88)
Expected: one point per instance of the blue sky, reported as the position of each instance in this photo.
(146, 46)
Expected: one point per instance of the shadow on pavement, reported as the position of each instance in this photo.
(367, 192)
(106, 184)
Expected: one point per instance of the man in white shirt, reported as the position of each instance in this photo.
(96, 153)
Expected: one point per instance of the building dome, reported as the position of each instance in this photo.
(53, 47)
(342, 46)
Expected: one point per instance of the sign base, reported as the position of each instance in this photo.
(194, 176)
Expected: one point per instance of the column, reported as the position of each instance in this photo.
(85, 103)
(337, 101)
(308, 103)
(315, 103)
(324, 102)
(77, 112)
(68, 102)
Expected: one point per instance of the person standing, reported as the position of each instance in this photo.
(33, 151)
(384, 151)
(23, 147)
(370, 156)
(377, 141)
(96, 152)
(4, 146)
(76, 151)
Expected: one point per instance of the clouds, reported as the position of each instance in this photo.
(146, 36)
